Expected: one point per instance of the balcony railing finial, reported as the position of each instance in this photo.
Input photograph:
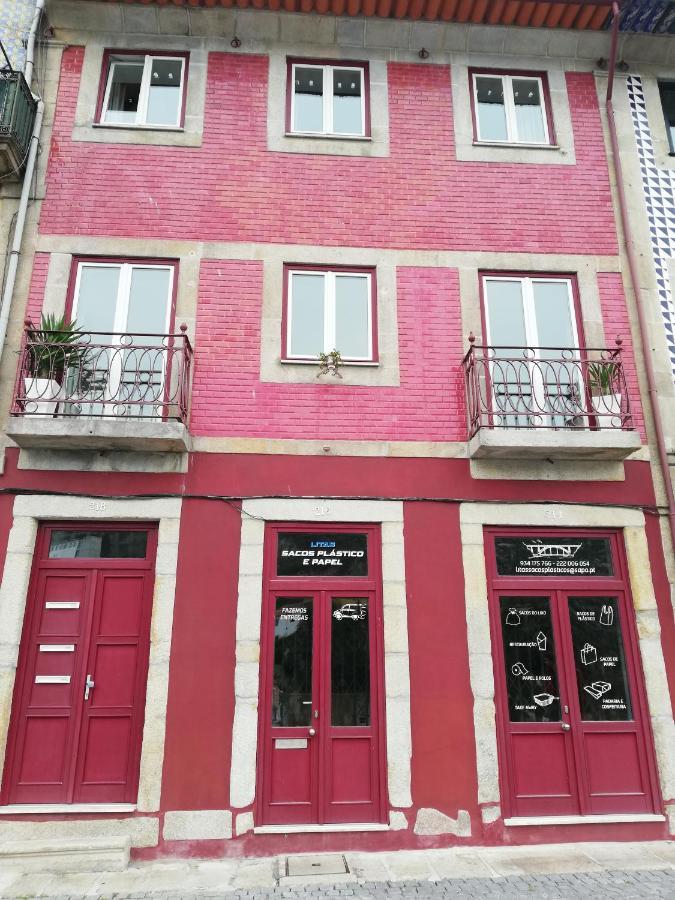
(472, 338)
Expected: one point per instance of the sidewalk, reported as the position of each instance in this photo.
(542, 871)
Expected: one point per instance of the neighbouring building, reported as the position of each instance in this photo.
(338, 520)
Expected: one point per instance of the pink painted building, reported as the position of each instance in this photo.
(335, 521)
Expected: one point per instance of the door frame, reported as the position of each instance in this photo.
(39, 564)
(274, 585)
(618, 584)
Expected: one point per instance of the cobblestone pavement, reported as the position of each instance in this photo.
(626, 885)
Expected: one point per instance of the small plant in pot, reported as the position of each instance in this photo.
(51, 350)
(605, 387)
(329, 364)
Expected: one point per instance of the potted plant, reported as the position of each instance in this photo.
(605, 387)
(50, 350)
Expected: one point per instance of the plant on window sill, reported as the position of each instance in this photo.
(329, 364)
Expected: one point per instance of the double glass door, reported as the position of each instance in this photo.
(319, 719)
(573, 739)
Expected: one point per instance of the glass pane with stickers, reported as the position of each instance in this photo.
(529, 659)
(350, 662)
(292, 681)
(599, 659)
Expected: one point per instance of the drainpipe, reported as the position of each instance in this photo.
(15, 252)
(629, 243)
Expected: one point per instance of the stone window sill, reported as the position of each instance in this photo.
(508, 145)
(159, 128)
(315, 362)
(367, 139)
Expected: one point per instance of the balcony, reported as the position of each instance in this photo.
(17, 115)
(102, 391)
(548, 403)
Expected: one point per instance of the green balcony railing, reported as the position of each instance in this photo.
(17, 115)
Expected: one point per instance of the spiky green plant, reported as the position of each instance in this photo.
(602, 377)
(54, 346)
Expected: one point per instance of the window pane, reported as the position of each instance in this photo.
(97, 298)
(350, 662)
(308, 99)
(505, 313)
(667, 91)
(529, 111)
(124, 92)
(602, 681)
(347, 102)
(148, 300)
(292, 685)
(553, 313)
(307, 315)
(98, 544)
(165, 92)
(490, 109)
(510, 379)
(352, 303)
(529, 658)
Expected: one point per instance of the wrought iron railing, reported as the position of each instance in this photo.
(546, 387)
(128, 376)
(17, 113)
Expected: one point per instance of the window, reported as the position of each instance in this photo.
(327, 99)
(329, 310)
(511, 109)
(667, 92)
(532, 332)
(142, 90)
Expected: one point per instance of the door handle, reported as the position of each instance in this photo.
(88, 686)
(565, 726)
(312, 732)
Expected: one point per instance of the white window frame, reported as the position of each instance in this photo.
(529, 315)
(123, 290)
(510, 108)
(329, 318)
(328, 98)
(144, 95)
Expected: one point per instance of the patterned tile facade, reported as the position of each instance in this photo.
(15, 19)
(659, 190)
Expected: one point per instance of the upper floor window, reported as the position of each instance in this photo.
(143, 90)
(511, 108)
(667, 92)
(327, 99)
(532, 312)
(329, 310)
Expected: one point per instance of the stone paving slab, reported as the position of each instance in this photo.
(550, 872)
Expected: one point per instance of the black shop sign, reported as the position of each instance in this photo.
(556, 556)
(330, 553)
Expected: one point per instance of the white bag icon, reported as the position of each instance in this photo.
(588, 654)
(606, 615)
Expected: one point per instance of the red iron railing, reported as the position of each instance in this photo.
(546, 387)
(128, 376)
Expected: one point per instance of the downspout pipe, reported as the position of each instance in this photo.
(15, 251)
(631, 256)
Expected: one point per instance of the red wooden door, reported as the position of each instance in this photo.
(574, 739)
(320, 759)
(80, 689)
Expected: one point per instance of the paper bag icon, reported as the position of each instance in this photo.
(588, 654)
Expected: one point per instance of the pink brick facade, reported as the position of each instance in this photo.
(420, 197)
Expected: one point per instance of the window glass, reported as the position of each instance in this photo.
(347, 101)
(164, 92)
(667, 91)
(529, 658)
(505, 312)
(529, 112)
(602, 681)
(352, 312)
(97, 298)
(553, 314)
(490, 109)
(350, 662)
(307, 314)
(98, 544)
(292, 682)
(148, 295)
(125, 89)
(308, 99)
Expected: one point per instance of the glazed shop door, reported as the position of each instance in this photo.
(574, 735)
(80, 687)
(320, 744)
(320, 728)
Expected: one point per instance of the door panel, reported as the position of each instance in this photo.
(87, 620)
(543, 774)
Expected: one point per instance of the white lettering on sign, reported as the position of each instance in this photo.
(97, 505)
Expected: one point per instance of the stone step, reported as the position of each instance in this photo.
(57, 856)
